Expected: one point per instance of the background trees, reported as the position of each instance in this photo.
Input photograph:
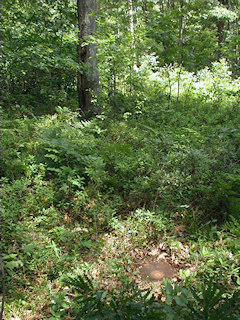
(39, 54)
(41, 66)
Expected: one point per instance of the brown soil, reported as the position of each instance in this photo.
(156, 271)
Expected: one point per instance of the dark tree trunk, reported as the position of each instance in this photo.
(220, 30)
(87, 79)
(145, 10)
(220, 27)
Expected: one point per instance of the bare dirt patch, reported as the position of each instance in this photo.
(157, 271)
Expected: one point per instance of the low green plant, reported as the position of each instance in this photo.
(126, 303)
(208, 302)
(129, 302)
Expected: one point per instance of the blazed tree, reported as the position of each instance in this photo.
(88, 79)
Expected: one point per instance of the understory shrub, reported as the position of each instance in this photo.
(145, 163)
(129, 302)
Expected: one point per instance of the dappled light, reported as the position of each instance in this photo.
(120, 160)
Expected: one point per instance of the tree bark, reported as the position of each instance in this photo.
(181, 31)
(145, 10)
(87, 78)
(132, 30)
(220, 30)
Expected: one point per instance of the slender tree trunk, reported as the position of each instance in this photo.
(220, 27)
(87, 78)
(237, 45)
(181, 31)
(220, 30)
(145, 10)
(132, 30)
(130, 4)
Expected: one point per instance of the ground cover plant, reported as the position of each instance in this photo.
(104, 195)
(146, 172)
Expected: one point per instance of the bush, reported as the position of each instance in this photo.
(182, 303)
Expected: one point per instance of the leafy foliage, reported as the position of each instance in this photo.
(130, 302)
(154, 175)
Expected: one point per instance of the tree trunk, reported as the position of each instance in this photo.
(181, 31)
(220, 27)
(145, 10)
(87, 78)
(130, 4)
(220, 30)
(237, 45)
(132, 30)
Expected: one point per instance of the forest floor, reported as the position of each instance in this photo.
(123, 200)
(111, 259)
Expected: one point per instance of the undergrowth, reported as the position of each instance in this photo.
(166, 172)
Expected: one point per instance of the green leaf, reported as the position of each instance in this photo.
(87, 244)
(29, 247)
(181, 301)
